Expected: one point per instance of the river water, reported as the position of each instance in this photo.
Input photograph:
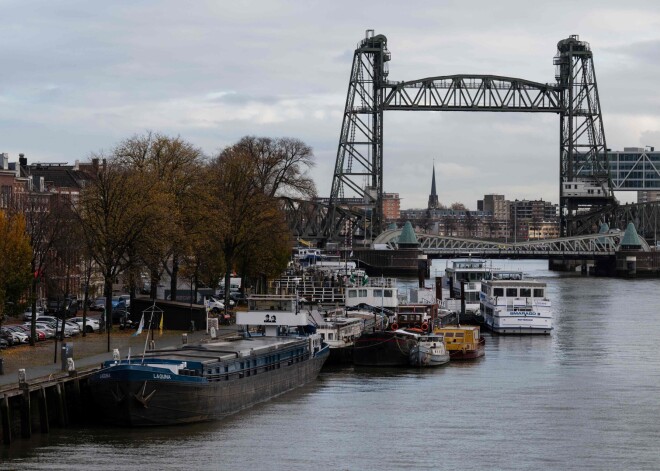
(585, 397)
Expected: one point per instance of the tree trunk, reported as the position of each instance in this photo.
(174, 277)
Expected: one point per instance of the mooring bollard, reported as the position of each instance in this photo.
(214, 333)
(152, 345)
(184, 339)
(22, 379)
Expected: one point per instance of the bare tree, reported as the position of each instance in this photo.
(244, 216)
(175, 164)
(114, 211)
(281, 165)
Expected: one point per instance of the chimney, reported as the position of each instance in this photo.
(4, 161)
(22, 160)
(95, 164)
(42, 184)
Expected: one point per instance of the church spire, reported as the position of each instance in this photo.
(433, 197)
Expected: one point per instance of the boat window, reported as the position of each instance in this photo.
(449, 334)
(498, 291)
(459, 335)
(352, 293)
(511, 292)
(538, 292)
(403, 317)
(378, 293)
(322, 336)
(330, 336)
(388, 293)
(363, 293)
(525, 292)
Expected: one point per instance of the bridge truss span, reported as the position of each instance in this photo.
(470, 92)
(577, 246)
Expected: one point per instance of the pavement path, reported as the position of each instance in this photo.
(88, 352)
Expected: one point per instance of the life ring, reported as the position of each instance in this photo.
(395, 326)
(425, 326)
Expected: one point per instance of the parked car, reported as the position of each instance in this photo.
(58, 306)
(70, 328)
(27, 315)
(7, 337)
(93, 324)
(47, 319)
(98, 304)
(17, 334)
(216, 304)
(3, 343)
(41, 334)
(46, 328)
(238, 297)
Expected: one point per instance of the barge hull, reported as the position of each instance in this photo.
(139, 402)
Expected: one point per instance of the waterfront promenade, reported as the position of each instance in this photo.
(88, 352)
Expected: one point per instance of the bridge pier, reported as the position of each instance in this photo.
(562, 264)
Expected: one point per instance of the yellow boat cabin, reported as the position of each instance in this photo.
(462, 341)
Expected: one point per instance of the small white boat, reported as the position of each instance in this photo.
(429, 351)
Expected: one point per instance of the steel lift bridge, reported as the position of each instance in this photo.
(585, 186)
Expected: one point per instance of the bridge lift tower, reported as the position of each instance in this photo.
(585, 185)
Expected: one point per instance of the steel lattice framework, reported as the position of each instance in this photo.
(574, 96)
(576, 246)
(470, 92)
(310, 219)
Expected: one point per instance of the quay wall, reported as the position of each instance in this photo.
(26, 409)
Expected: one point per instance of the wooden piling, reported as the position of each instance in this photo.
(26, 422)
(6, 420)
(75, 402)
(43, 411)
(60, 402)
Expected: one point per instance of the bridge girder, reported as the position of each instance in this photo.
(585, 245)
(470, 92)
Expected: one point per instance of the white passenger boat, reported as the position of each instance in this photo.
(511, 305)
(430, 350)
(469, 272)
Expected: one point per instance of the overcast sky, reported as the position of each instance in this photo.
(79, 76)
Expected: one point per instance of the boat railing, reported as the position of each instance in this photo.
(254, 370)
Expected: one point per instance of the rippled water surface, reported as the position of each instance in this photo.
(586, 397)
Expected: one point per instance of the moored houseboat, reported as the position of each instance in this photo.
(210, 381)
(340, 328)
(384, 348)
(463, 342)
(467, 273)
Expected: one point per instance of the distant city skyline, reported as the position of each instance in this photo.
(81, 77)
